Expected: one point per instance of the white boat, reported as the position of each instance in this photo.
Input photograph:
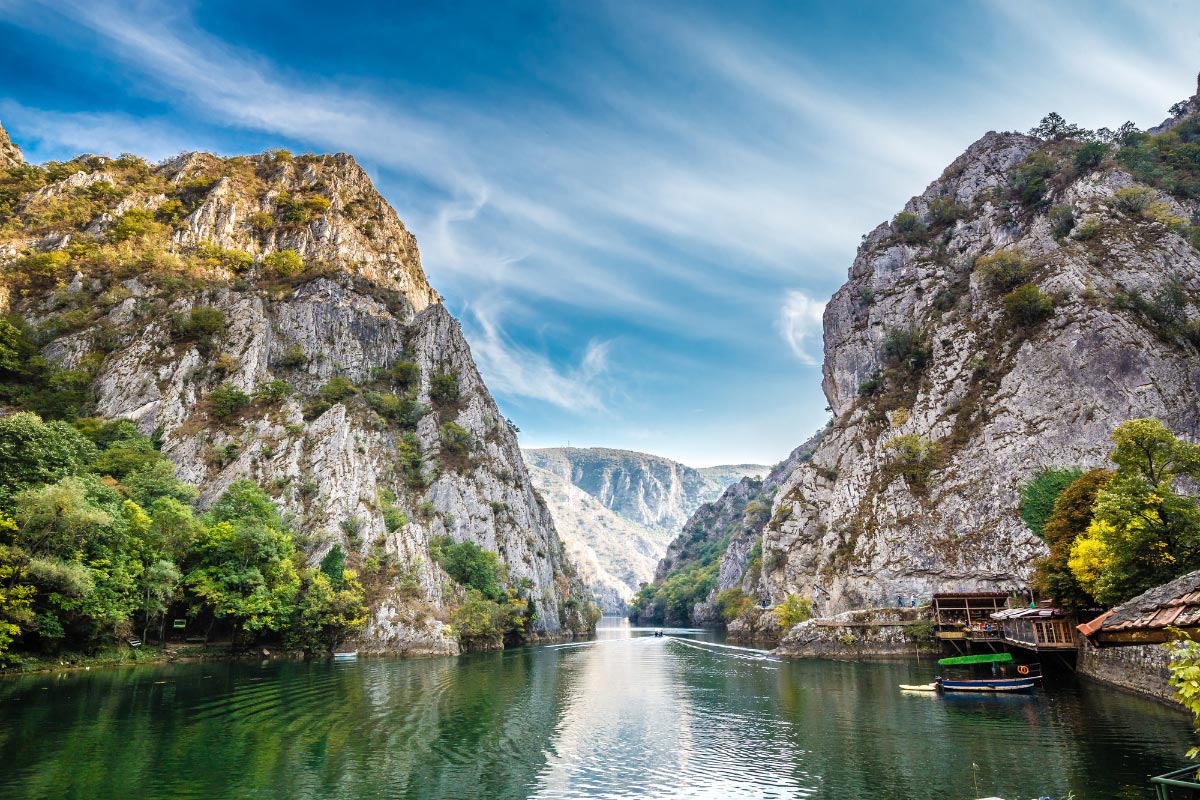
(347, 656)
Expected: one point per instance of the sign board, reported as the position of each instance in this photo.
(180, 624)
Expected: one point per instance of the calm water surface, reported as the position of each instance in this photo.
(627, 716)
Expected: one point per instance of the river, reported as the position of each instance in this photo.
(626, 716)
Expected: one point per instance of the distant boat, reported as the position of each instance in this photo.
(346, 656)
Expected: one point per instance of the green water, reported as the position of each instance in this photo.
(627, 716)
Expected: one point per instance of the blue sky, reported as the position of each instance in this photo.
(636, 209)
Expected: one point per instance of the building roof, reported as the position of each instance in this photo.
(969, 595)
(1173, 604)
(1022, 613)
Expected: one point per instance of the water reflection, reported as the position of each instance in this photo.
(628, 715)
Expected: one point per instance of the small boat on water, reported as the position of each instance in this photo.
(1005, 677)
(349, 655)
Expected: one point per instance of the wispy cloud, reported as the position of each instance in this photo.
(800, 325)
(518, 371)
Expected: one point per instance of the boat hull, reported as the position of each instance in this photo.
(990, 685)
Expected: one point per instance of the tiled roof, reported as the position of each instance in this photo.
(1022, 613)
(1176, 603)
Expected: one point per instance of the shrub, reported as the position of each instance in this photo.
(136, 223)
(202, 322)
(872, 385)
(1062, 220)
(261, 222)
(731, 603)
(793, 610)
(909, 227)
(337, 389)
(1030, 180)
(1027, 305)
(906, 348)
(226, 400)
(394, 520)
(402, 410)
(272, 391)
(1087, 230)
(293, 357)
(1003, 270)
(44, 266)
(443, 389)
(456, 441)
(945, 211)
(1133, 199)
(469, 565)
(1090, 155)
(405, 374)
(172, 212)
(284, 263)
(912, 457)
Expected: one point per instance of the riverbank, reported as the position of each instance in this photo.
(881, 633)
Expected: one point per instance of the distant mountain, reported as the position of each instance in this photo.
(617, 510)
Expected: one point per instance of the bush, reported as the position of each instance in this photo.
(405, 374)
(337, 389)
(906, 348)
(1030, 179)
(731, 603)
(1003, 270)
(912, 457)
(135, 224)
(945, 211)
(261, 222)
(202, 322)
(1134, 199)
(272, 391)
(793, 610)
(44, 267)
(872, 386)
(1090, 155)
(401, 410)
(293, 357)
(456, 441)
(469, 565)
(226, 400)
(1062, 220)
(284, 263)
(1087, 230)
(443, 389)
(909, 227)
(1027, 305)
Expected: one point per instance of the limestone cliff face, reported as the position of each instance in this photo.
(986, 399)
(345, 467)
(10, 154)
(618, 509)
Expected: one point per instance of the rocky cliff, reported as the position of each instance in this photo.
(268, 317)
(1041, 291)
(618, 509)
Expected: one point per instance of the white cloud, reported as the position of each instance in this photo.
(513, 370)
(800, 324)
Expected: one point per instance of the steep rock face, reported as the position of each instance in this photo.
(732, 524)
(620, 508)
(613, 555)
(338, 466)
(993, 399)
(10, 154)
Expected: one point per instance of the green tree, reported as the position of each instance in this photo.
(1069, 518)
(327, 610)
(334, 563)
(793, 610)
(471, 566)
(1039, 494)
(283, 263)
(1143, 532)
(33, 452)
(443, 389)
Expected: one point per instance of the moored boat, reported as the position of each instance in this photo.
(1005, 677)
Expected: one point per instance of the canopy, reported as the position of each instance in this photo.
(982, 658)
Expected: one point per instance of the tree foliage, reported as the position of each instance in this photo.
(1040, 493)
(1069, 518)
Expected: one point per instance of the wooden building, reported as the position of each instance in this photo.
(1037, 628)
(967, 616)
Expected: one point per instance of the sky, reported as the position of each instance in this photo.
(637, 210)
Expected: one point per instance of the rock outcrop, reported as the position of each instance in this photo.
(617, 510)
(10, 154)
(267, 317)
(950, 388)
